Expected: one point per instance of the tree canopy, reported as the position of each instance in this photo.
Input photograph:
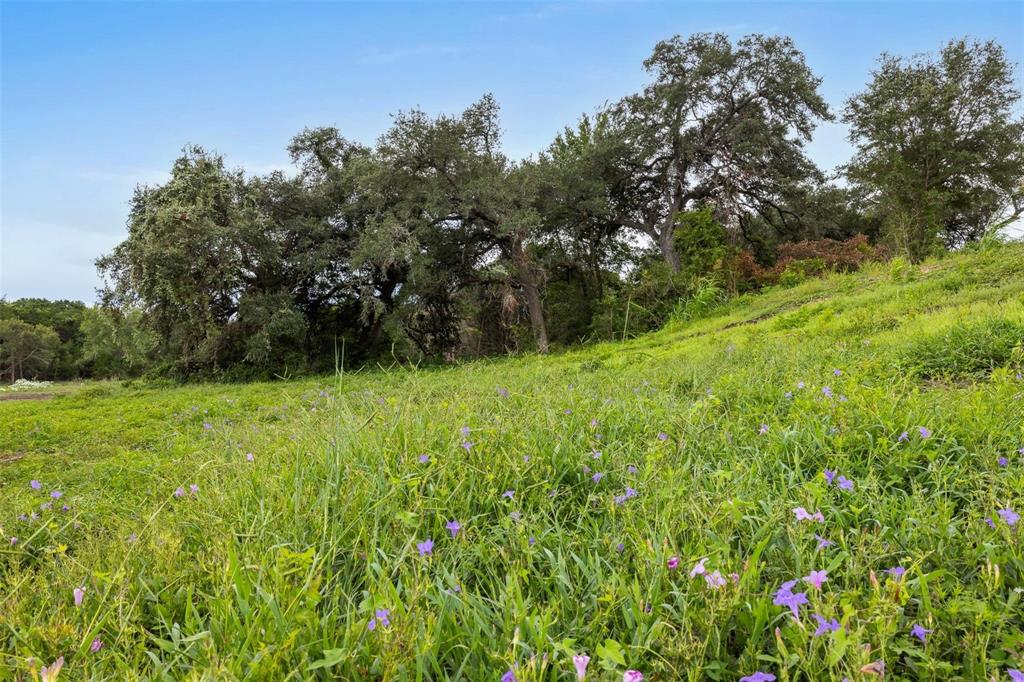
(938, 149)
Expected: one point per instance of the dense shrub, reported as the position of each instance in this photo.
(797, 261)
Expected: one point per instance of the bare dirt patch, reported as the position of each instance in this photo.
(25, 396)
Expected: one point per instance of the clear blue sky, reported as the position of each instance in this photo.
(99, 97)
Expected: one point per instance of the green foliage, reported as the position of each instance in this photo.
(701, 242)
(65, 318)
(274, 567)
(117, 342)
(26, 350)
(939, 148)
(967, 350)
(721, 123)
(706, 295)
(798, 271)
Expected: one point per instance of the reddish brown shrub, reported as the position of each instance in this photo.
(828, 254)
(837, 256)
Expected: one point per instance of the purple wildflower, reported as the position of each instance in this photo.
(920, 632)
(35, 485)
(620, 548)
(596, 454)
(509, 676)
(567, 411)
(845, 483)
(824, 626)
(1003, 461)
(467, 446)
(1011, 517)
(424, 459)
(822, 542)
(14, 540)
(763, 430)
(662, 436)
(829, 476)
(631, 469)
(207, 426)
(56, 494)
(758, 677)
(904, 437)
(837, 372)
(179, 492)
(426, 547)
(194, 489)
(827, 391)
(698, 568)
(249, 457)
(372, 625)
(383, 617)
(800, 384)
(620, 499)
(1015, 675)
(453, 527)
(816, 578)
(630, 492)
(464, 431)
(990, 522)
(597, 477)
(581, 662)
(896, 572)
(632, 676)
(802, 515)
(96, 645)
(673, 563)
(79, 595)
(714, 580)
(503, 392)
(786, 597)
(508, 494)
(925, 433)
(594, 423)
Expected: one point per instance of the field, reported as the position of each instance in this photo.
(587, 489)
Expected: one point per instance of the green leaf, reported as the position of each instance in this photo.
(332, 657)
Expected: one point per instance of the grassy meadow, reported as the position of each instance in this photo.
(303, 529)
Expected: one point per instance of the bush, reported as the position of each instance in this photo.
(797, 261)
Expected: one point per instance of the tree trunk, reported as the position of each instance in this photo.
(666, 242)
(528, 280)
(540, 331)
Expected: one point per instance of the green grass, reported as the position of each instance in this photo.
(274, 569)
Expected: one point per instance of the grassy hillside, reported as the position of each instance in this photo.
(586, 486)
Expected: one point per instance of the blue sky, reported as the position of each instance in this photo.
(99, 97)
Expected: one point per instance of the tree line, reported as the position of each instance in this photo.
(432, 243)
